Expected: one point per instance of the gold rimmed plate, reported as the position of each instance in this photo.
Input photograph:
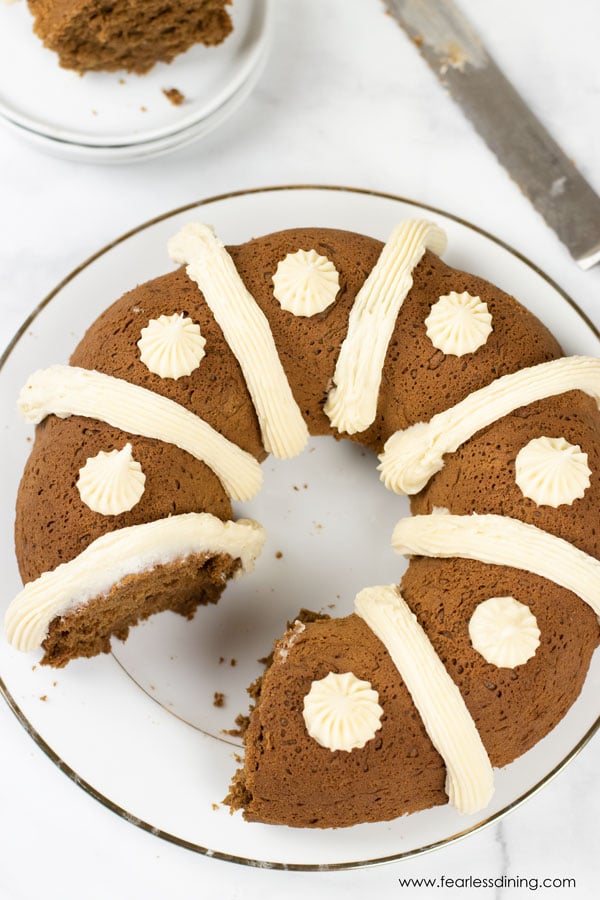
(139, 729)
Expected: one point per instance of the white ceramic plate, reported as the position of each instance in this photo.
(139, 729)
(118, 110)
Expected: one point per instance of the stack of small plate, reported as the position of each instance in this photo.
(117, 117)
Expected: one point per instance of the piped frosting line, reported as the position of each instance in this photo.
(66, 391)
(248, 333)
(447, 721)
(502, 541)
(121, 553)
(412, 456)
(352, 402)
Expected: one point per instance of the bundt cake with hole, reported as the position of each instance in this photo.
(179, 390)
(110, 35)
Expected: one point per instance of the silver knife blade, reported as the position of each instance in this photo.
(549, 180)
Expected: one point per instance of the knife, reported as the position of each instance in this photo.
(549, 180)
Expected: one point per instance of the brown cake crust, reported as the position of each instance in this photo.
(89, 35)
(290, 779)
(418, 380)
(513, 709)
(480, 476)
(53, 525)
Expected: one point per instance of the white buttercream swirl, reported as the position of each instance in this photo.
(551, 471)
(447, 721)
(305, 283)
(248, 333)
(171, 346)
(70, 391)
(504, 631)
(458, 324)
(111, 483)
(352, 402)
(121, 553)
(341, 712)
(410, 457)
(502, 541)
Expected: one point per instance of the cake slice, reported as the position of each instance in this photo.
(289, 778)
(89, 35)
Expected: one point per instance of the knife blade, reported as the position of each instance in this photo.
(522, 145)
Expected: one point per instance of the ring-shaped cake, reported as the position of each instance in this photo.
(182, 387)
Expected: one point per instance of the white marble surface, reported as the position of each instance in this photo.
(344, 99)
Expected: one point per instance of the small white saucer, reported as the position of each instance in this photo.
(106, 117)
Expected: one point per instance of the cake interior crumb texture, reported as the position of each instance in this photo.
(181, 586)
(110, 35)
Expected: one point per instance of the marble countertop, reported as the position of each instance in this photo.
(344, 99)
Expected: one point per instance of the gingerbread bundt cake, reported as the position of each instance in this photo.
(91, 36)
(180, 389)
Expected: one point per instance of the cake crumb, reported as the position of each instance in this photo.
(215, 806)
(233, 662)
(241, 722)
(174, 96)
(44, 697)
(143, 109)
(279, 555)
(219, 699)
(221, 660)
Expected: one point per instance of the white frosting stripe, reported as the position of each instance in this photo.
(70, 391)
(412, 456)
(447, 721)
(352, 403)
(248, 333)
(118, 554)
(502, 541)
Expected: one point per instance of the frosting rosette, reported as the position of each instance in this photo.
(342, 712)
(458, 324)
(171, 346)
(551, 471)
(504, 631)
(305, 283)
(111, 483)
